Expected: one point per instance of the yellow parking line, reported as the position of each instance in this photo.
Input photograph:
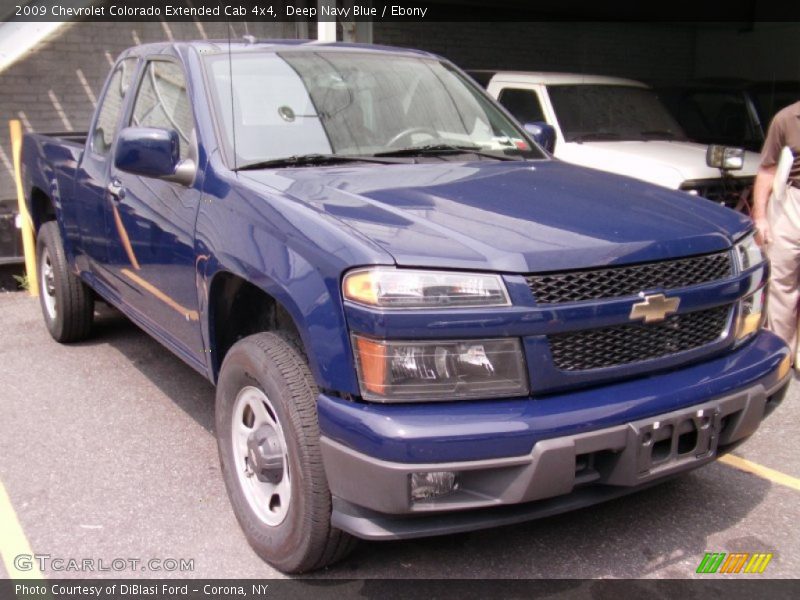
(761, 471)
(13, 541)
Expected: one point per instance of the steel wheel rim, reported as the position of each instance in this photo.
(270, 502)
(48, 284)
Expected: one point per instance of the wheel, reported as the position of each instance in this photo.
(268, 441)
(67, 303)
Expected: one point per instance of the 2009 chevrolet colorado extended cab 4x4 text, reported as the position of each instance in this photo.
(418, 322)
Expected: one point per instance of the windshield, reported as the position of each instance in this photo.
(352, 103)
(611, 112)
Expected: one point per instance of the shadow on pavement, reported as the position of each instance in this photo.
(189, 390)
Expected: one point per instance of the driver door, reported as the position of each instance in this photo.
(151, 221)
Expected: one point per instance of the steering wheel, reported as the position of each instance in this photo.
(409, 132)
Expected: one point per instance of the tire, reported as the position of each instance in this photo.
(67, 303)
(265, 391)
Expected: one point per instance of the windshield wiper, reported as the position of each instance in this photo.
(310, 159)
(595, 135)
(438, 149)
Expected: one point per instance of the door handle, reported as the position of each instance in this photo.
(116, 189)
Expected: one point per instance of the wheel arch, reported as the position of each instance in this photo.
(236, 308)
(42, 207)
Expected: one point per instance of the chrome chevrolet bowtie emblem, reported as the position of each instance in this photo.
(654, 308)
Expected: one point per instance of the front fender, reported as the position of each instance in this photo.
(310, 301)
(287, 250)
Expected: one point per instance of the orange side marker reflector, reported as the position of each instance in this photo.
(372, 358)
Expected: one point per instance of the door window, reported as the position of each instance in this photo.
(163, 102)
(111, 106)
(523, 104)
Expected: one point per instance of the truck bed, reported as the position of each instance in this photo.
(51, 161)
(74, 137)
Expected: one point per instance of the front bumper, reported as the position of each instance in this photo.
(372, 494)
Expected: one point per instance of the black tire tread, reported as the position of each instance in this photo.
(75, 309)
(328, 544)
(333, 544)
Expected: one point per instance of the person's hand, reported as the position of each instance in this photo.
(763, 232)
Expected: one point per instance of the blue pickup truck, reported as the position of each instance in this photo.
(418, 322)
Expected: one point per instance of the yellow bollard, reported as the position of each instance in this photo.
(28, 240)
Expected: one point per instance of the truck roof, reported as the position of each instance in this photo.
(237, 46)
(556, 78)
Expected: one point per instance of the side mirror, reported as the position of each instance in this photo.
(152, 152)
(725, 157)
(543, 134)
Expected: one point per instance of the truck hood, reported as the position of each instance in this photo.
(659, 162)
(526, 216)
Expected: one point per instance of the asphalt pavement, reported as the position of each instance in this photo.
(107, 452)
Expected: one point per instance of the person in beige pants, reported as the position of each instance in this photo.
(781, 237)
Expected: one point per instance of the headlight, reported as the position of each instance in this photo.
(386, 287)
(394, 371)
(748, 253)
(725, 157)
(751, 314)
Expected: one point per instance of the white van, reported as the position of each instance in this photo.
(617, 125)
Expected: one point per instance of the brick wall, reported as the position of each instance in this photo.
(764, 52)
(637, 50)
(55, 86)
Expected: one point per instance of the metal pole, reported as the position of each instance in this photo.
(28, 240)
(326, 30)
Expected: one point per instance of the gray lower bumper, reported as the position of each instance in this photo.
(372, 497)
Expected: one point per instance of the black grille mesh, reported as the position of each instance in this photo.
(614, 282)
(635, 342)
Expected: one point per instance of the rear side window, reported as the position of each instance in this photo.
(163, 102)
(523, 104)
(770, 101)
(111, 106)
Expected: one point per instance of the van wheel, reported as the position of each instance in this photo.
(67, 303)
(268, 440)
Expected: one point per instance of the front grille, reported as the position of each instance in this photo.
(635, 342)
(614, 282)
(730, 191)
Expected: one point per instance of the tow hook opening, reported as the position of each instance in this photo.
(662, 443)
(687, 442)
